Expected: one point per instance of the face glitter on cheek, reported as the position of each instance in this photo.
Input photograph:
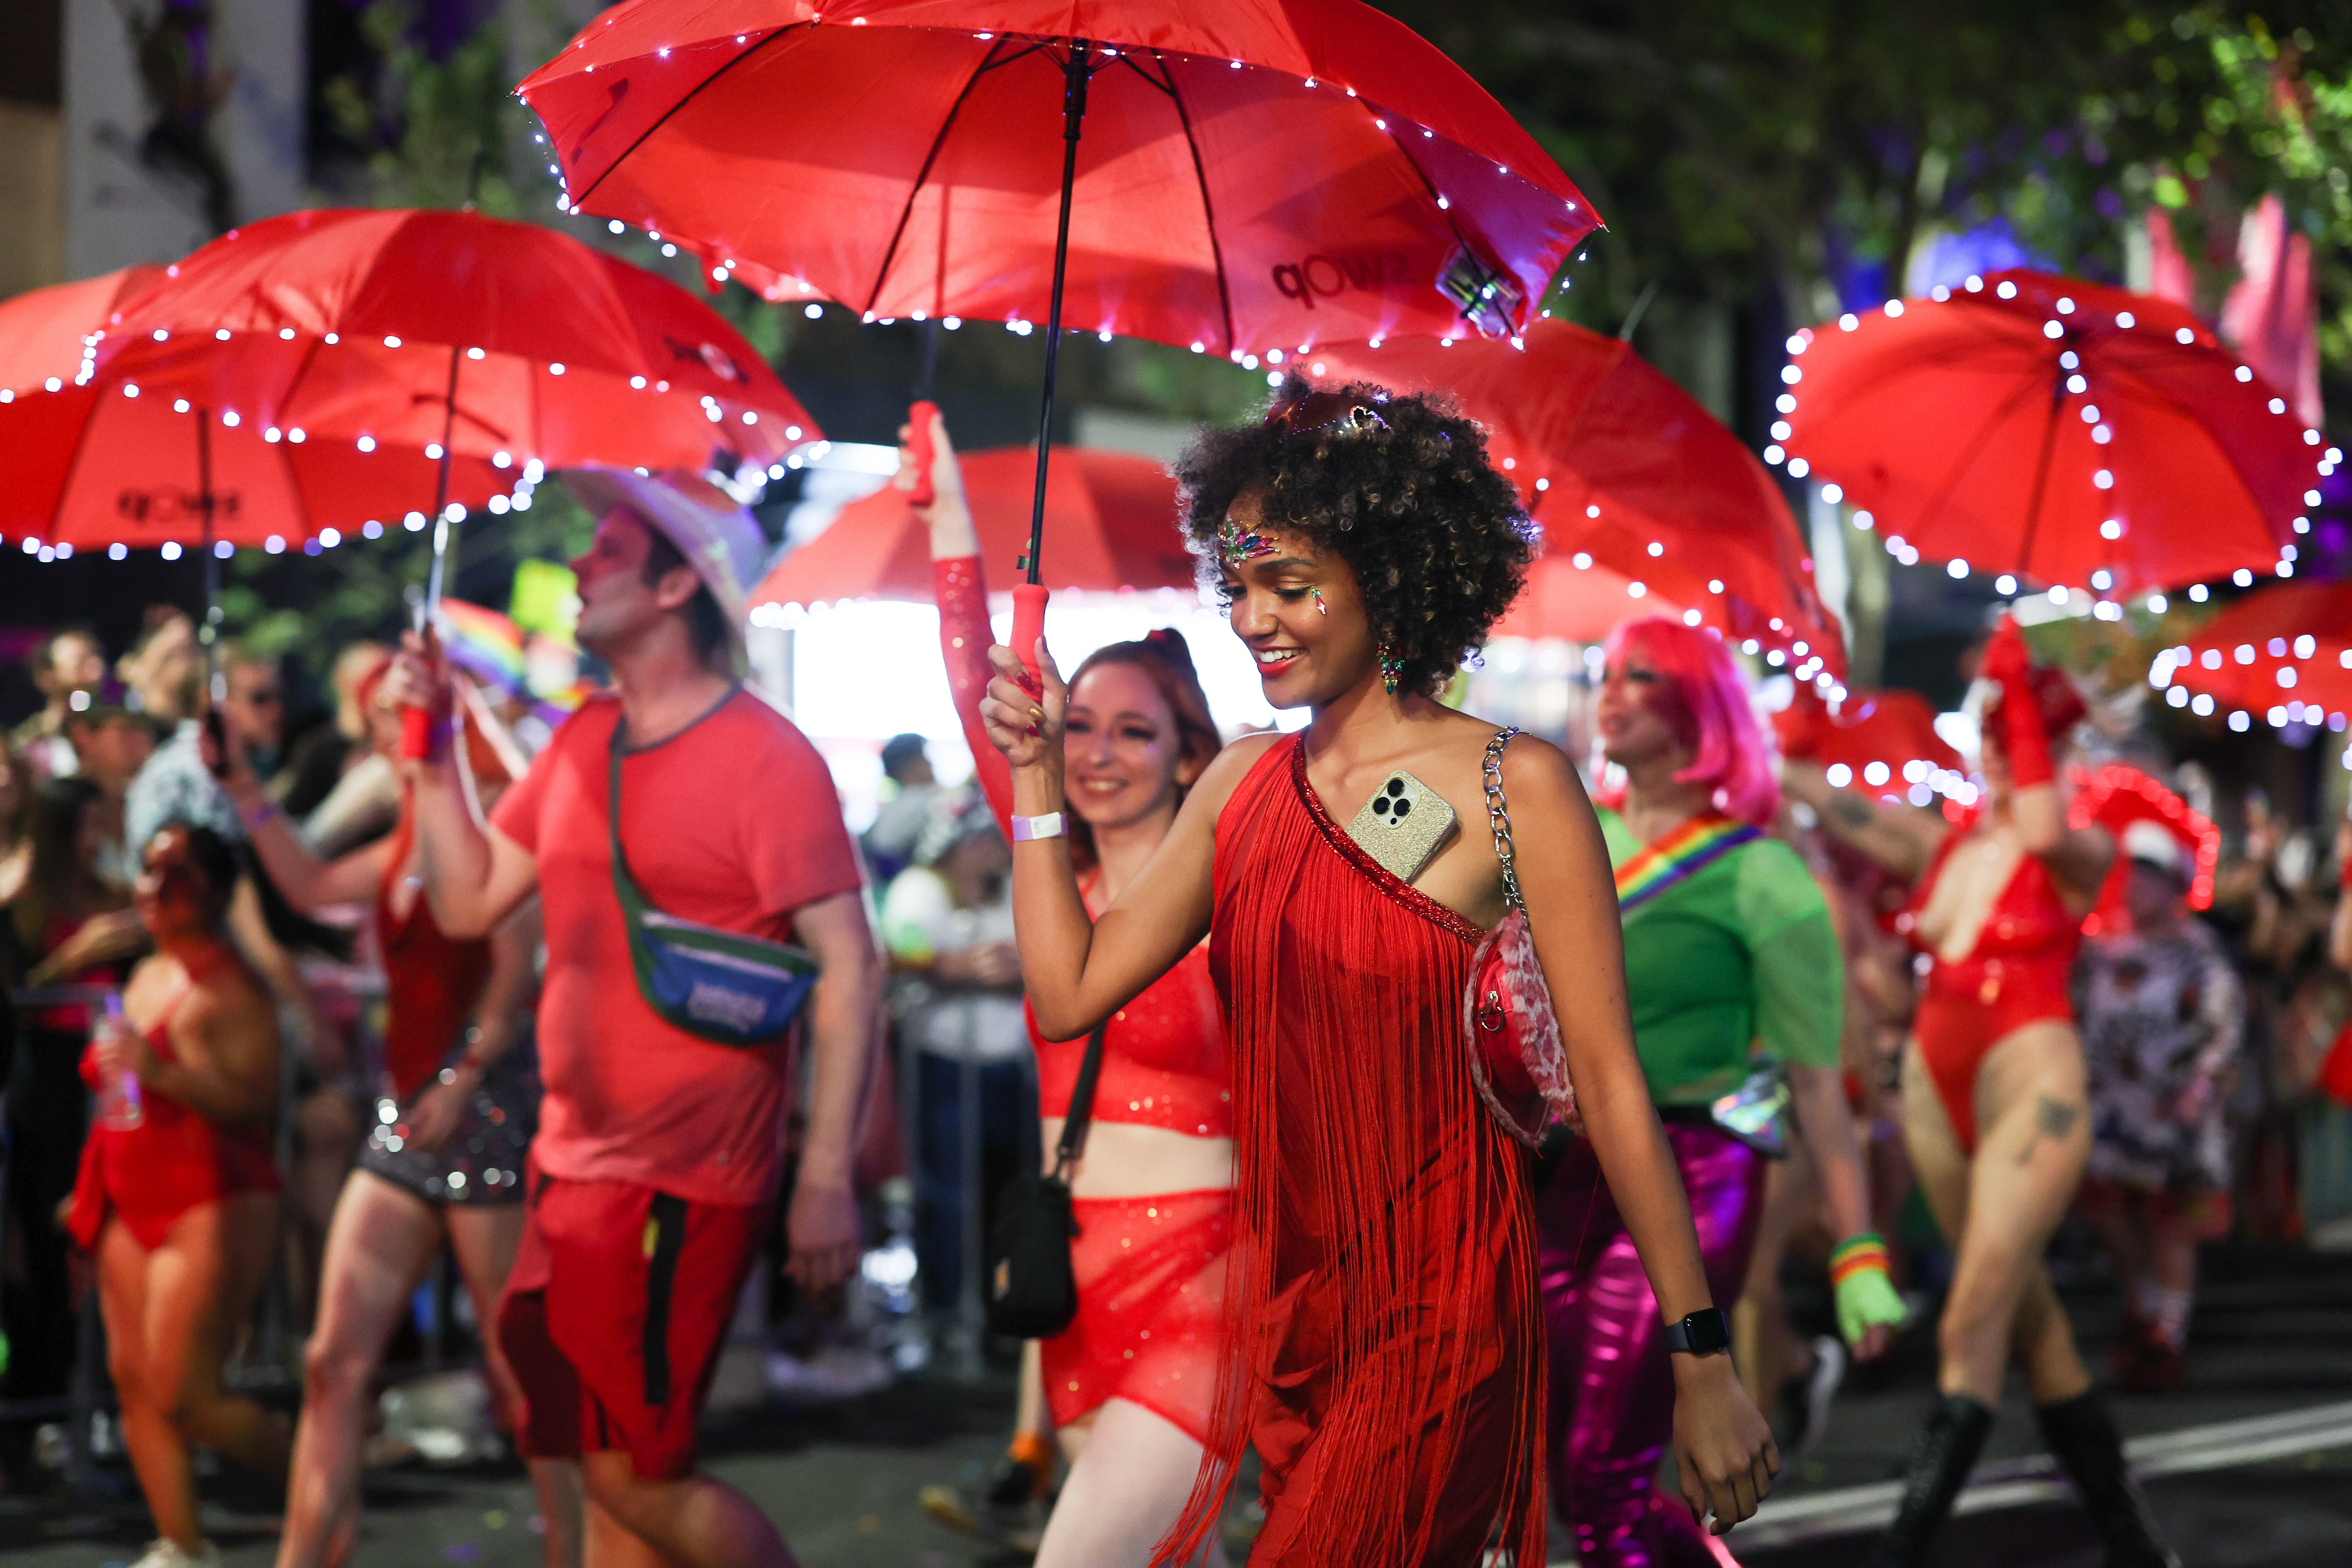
(1320, 607)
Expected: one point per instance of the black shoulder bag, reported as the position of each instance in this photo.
(1033, 1292)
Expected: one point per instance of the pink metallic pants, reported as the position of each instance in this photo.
(1613, 1392)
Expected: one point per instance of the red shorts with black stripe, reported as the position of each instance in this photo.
(615, 1313)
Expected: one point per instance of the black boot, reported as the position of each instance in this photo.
(2083, 1438)
(1940, 1462)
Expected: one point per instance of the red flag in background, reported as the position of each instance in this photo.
(2271, 315)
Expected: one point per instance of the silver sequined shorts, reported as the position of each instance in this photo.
(482, 1160)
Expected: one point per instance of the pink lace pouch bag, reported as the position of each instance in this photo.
(1517, 1059)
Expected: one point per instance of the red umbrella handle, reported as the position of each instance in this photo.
(919, 425)
(1028, 625)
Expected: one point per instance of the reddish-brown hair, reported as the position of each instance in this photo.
(1166, 660)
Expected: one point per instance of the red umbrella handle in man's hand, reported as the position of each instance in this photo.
(418, 719)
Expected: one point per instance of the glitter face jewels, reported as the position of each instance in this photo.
(1320, 607)
(1239, 546)
(1392, 666)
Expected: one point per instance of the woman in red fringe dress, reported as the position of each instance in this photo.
(1386, 1354)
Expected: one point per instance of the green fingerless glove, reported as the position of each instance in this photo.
(1867, 1296)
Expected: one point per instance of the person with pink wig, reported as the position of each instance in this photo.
(1728, 943)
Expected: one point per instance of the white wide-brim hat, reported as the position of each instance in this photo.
(717, 536)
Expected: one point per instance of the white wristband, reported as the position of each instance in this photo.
(1053, 825)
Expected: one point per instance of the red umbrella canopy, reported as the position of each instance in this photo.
(360, 323)
(1582, 602)
(1250, 177)
(45, 334)
(2054, 429)
(1618, 462)
(2117, 796)
(2283, 652)
(1114, 518)
(1881, 742)
(103, 462)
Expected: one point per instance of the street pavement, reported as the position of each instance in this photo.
(2249, 1466)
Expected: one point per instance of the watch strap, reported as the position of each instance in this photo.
(1701, 1333)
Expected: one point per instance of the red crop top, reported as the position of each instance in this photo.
(1164, 1059)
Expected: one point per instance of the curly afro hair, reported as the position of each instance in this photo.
(1435, 536)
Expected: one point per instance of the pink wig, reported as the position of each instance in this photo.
(1734, 760)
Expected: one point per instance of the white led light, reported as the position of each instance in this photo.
(2007, 291)
(2125, 319)
(1893, 307)
(2004, 584)
(2184, 336)
(1958, 568)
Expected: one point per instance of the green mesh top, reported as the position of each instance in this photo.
(1739, 953)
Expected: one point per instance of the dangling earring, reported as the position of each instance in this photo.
(1392, 666)
(1320, 607)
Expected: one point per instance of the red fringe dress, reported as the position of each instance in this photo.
(1151, 1269)
(1388, 1341)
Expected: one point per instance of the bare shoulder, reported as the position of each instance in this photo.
(230, 997)
(1230, 767)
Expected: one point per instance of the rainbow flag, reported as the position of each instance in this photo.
(483, 643)
(1661, 865)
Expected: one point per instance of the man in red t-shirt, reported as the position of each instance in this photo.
(657, 1160)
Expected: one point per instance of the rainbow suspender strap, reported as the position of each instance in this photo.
(1661, 865)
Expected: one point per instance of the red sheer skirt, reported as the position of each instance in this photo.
(1152, 1303)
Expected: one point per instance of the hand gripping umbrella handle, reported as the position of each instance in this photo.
(919, 425)
(417, 723)
(1028, 625)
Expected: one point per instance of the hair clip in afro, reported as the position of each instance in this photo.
(1341, 411)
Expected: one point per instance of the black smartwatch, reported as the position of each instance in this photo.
(1701, 1333)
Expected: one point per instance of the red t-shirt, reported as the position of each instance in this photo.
(733, 822)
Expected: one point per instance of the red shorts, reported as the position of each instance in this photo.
(615, 1313)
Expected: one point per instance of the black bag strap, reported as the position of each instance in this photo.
(1072, 1141)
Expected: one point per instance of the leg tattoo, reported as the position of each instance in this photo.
(2053, 1119)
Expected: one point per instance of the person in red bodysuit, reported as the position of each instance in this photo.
(1131, 1384)
(1387, 1355)
(178, 1201)
(453, 1113)
(1993, 1099)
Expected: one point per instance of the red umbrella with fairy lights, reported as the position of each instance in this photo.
(1883, 742)
(2282, 652)
(98, 461)
(1624, 470)
(462, 334)
(1247, 180)
(1113, 516)
(2054, 429)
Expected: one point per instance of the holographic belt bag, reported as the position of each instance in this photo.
(721, 985)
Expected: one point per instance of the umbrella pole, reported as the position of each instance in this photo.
(1029, 596)
(417, 723)
(2041, 477)
(208, 632)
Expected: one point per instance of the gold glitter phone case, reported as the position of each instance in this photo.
(1403, 826)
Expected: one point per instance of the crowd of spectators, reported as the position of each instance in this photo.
(2213, 1034)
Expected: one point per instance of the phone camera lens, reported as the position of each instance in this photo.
(1402, 807)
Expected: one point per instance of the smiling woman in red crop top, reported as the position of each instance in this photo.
(1993, 1098)
(1131, 1383)
(178, 1200)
